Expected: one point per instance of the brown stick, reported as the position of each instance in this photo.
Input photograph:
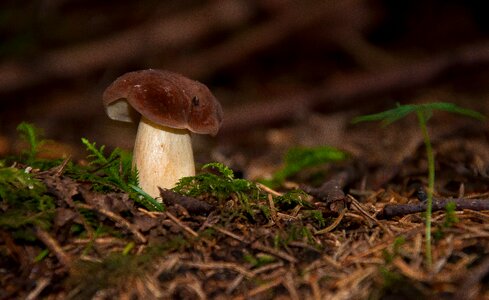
(191, 204)
(438, 204)
(53, 246)
(118, 219)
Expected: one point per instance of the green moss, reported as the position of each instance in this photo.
(220, 186)
(291, 199)
(117, 269)
(223, 186)
(24, 202)
(317, 217)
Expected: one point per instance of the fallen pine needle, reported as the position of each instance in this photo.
(332, 226)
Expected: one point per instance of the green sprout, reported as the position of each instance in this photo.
(423, 112)
(450, 214)
(34, 138)
(113, 171)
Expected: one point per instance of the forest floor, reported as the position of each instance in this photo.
(300, 204)
(335, 224)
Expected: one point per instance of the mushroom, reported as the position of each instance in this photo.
(170, 107)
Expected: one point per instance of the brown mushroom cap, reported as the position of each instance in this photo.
(165, 98)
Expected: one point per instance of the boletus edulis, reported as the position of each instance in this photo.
(169, 107)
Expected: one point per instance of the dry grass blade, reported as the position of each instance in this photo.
(262, 288)
(268, 190)
(180, 224)
(273, 211)
(275, 252)
(358, 206)
(40, 285)
(336, 222)
(118, 219)
(221, 265)
(258, 246)
(289, 284)
(228, 233)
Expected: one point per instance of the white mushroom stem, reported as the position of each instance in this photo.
(162, 156)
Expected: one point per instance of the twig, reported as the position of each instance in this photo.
(438, 204)
(273, 211)
(180, 224)
(191, 204)
(358, 206)
(40, 285)
(229, 233)
(313, 283)
(268, 190)
(118, 219)
(332, 226)
(289, 284)
(409, 271)
(255, 272)
(53, 246)
(331, 192)
(220, 265)
(262, 288)
(269, 250)
(61, 168)
(258, 246)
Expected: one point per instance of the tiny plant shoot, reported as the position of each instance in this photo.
(423, 112)
(33, 136)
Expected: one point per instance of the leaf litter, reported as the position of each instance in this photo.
(71, 231)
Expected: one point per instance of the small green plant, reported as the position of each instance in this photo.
(34, 138)
(450, 215)
(423, 112)
(298, 159)
(396, 247)
(113, 172)
(449, 220)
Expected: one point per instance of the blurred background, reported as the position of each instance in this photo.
(286, 72)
